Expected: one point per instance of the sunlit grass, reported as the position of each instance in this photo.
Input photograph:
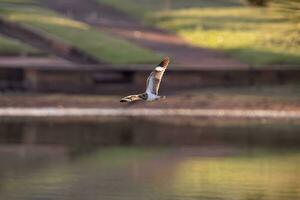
(10, 46)
(49, 20)
(257, 36)
(101, 45)
(138, 8)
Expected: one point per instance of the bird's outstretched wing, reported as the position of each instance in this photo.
(130, 98)
(153, 81)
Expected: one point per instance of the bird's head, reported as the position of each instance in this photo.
(164, 63)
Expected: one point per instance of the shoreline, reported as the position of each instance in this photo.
(148, 112)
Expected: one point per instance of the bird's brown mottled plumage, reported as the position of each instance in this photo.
(153, 83)
(156, 76)
(132, 98)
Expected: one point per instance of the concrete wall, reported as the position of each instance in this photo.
(124, 81)
(58, 81)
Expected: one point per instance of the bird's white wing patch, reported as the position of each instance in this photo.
(159, 69)
(153, 82)
(150, 83)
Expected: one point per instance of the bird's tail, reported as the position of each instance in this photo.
(130, 98)
(124, 100)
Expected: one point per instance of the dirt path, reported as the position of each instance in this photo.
(120, 24)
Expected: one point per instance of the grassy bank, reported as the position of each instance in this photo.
(254, 35)
(10, 46)
(141, 8)
(105, 47)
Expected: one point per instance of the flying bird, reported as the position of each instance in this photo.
(153, 83)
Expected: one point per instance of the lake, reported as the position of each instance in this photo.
(149, 158)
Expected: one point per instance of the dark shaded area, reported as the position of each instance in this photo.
(258, 2)
(135, 131)
(12, 79)
(107, 79)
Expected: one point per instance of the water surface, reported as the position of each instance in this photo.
(147, 159)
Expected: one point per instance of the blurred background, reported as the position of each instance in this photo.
(226, 55)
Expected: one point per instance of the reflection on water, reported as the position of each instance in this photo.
(142, 159)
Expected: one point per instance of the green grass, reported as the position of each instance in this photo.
(257, 36)
(138, 7)
(103, 46)
(19, 1)
(10, 46)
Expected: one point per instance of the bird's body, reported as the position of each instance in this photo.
(153, 83)
(152, 97)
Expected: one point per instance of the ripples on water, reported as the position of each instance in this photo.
(145, 159)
